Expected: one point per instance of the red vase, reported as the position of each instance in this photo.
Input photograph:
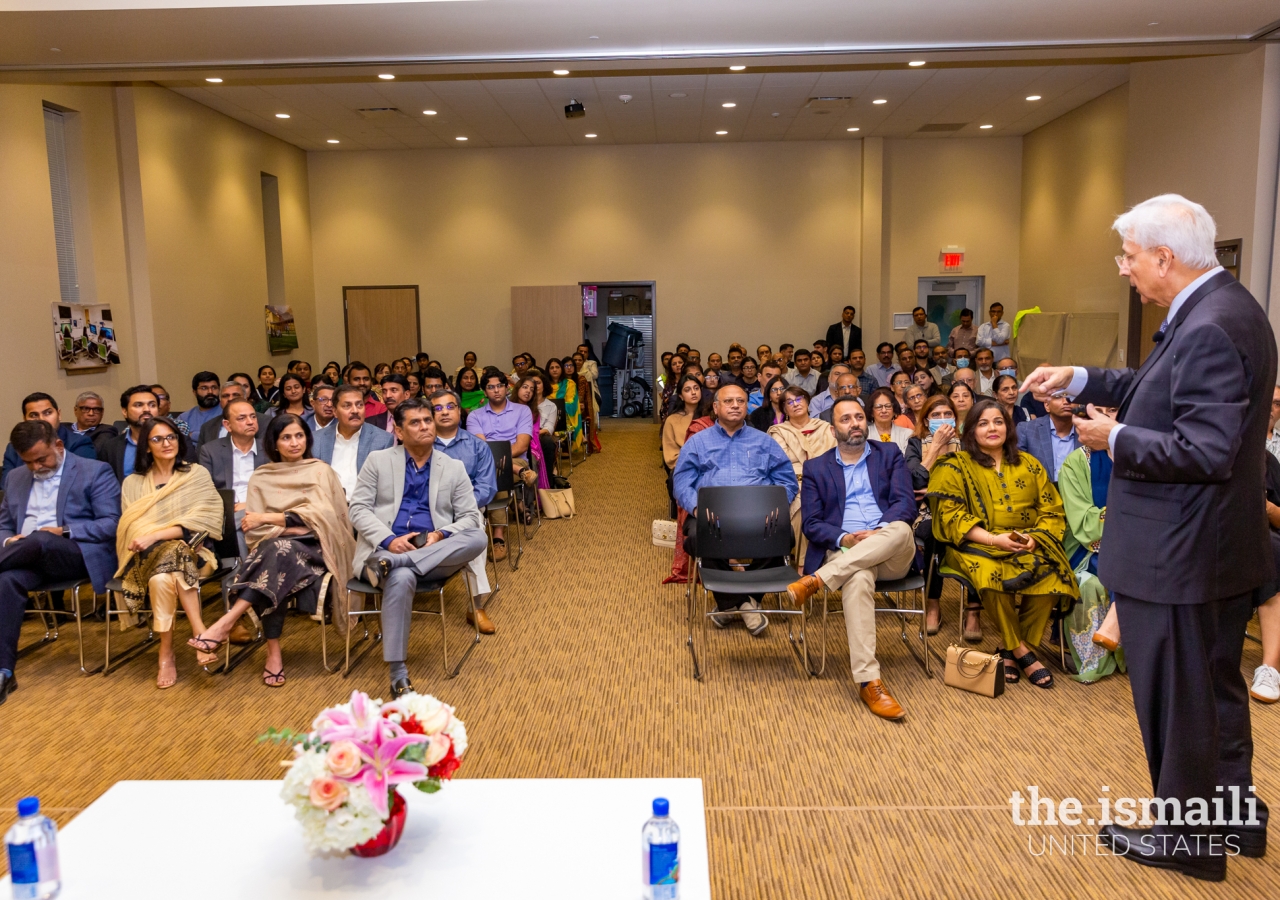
(389, 836)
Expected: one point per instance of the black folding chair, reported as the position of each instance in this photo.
(741, 523)
(504, 502)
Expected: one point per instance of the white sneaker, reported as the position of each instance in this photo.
(754, 622)
(721, 621)
(1266, 684)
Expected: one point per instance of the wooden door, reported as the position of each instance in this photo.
(546, 321)
(383, 323)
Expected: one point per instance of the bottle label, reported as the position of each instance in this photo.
(664, 863)
(23, 867)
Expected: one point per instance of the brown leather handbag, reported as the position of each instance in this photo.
(974, 671)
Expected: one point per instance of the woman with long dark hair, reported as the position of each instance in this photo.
(1003, 523)
(1005, 390)
(293, 397)
(469, 393)
(771, 410)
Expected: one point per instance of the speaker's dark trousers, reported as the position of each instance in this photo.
(39, 558)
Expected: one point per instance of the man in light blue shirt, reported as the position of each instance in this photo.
(205, 386)
(727, 454)
(884, 370)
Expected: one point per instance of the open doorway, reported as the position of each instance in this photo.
(943, 298)
(628, 378)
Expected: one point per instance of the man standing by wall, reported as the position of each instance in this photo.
(844, 334)
(1186, 545)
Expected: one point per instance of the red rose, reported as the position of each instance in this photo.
(412, 726)
(446, 767)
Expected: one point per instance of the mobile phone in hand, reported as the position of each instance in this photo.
(419, 540)
(1019, 538)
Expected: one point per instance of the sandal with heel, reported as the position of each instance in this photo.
(1011, 673)
(972, 637)
(1042, 677)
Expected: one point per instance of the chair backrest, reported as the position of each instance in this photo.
(745, 522)
(561, 415)
(229, 546)
(502, 466)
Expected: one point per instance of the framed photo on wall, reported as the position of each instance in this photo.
(281, 335)
(84, 337)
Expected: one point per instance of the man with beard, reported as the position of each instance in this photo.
(205, 386)
(857, 507)
(138, 404)
(42, 406)
(57, 523)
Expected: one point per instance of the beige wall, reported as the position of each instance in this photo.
(1073, 172)
(753, 242)
(28, 256)
(951, 192)
(202, 199)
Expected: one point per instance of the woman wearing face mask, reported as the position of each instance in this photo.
(1001, 520)
(935, 436)
(1005, 390)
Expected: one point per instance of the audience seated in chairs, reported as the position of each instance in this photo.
(232, 460)
(545, 423)
(1005, 389)
(565, 387)
(502, 420)
(164, 407)
(346, 442)
(89, 411)
(297, 529)
(962, 397)
(843, 385)
(913, 397)
(1049, 438)
(215, 427)
(293, 398)
(825, 398)
(432, 499)
(884, 409)
(359, 375)
(321, 412)
(57, 523)
(538, 475)
(858, 506)
(468, 383)
(42, 407)
(165, 505)
(205, 386)
(770, 412)
(726, 454)
(935, 436)
(802, 438)
(457, 443)
(138, 404)
(268, 392)
(1002, 521)
(1093, 628)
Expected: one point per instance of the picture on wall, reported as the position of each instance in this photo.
(281, 336)
(84, 337)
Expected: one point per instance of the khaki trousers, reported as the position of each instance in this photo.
(164, 590)
(887, 554)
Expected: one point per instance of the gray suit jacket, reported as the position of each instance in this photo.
(371, 439)
(1035, 437)
(375, 503)
(216, 457)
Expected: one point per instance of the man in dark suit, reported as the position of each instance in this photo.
(42, 406)
(1050, 437)
(857, 507)
(231, 460)
(138, 404)
(346, 442)
(845, 334)
(216, 427)
(57, 523)
(1186, 545)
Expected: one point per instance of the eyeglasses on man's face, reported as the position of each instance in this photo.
(445, 407)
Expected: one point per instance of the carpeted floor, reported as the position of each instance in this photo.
(808, 795)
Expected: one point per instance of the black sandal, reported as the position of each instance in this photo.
(273, 679)
(207, 646)
(1042, 678)
(1011, 673)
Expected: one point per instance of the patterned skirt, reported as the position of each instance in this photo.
(282, 568)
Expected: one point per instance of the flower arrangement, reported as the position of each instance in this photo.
(343, 777)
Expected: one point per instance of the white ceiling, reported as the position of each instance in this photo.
(517, 112)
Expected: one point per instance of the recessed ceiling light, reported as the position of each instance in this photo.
(333, 140)
(282, 115)
(1150, 24)
(736, 68)
(678, 94)
(722, 132)
(559, 71)
(459, 139)
(594, 37)
(214, 80)
(853, 129)
(590, 135)
(387, 76)
(55, 49)
(916, 63)
(428, 112)
(986, 126)
(1034, 97)
(880, 102)
(728, 105)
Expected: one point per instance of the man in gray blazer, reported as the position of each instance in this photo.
(404, 493)
(1051, 437)
(346, 442)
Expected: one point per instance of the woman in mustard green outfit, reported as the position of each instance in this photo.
(1002, 520)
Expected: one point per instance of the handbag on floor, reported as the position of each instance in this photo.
(556, 504)
(664, 533)
(974, 671)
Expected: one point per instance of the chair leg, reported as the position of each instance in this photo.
(444, 638)
(513, 510)
(133, 649)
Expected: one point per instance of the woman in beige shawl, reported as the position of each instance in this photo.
(297, 529)
(802, 439)
(166, 505)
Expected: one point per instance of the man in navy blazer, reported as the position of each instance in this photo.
(1050, 438)
(1186, 547)
(57, 523)
(346, 442)
(857, 506)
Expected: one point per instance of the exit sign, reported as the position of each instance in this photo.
(951, 260)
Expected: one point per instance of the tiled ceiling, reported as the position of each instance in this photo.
(523, 112)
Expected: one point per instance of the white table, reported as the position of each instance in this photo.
(490, 838)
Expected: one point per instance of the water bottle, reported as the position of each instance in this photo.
(660, 848)
(33, 853)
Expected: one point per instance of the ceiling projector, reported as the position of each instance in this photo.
(575, 110)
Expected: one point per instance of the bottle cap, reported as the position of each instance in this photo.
(29, 806)
(660, 806)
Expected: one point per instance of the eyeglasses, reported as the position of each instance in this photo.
(883, 407)
(162, 397)
(159, 439)
(1126, 259)
(795, 401)
(447, 407)
(89, 409)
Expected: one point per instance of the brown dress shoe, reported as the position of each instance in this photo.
(800, 591)
(879, 702)
(499, 550)
(486, 625)
(240, 634)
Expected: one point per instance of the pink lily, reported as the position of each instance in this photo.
(359, 724)
(385, 768)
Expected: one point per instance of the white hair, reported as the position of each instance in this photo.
(88, 395)
(1172, 221)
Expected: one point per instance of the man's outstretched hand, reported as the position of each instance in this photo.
(1048, 380)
